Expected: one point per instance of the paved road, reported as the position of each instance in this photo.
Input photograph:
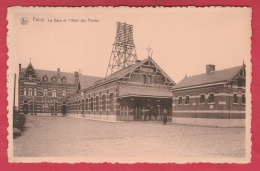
(72, 137)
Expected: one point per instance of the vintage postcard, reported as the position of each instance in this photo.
(128, 85)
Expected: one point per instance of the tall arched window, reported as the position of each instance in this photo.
(104, 102)
(86, 105)
(97, 103)
(91, 104)
(111, 99)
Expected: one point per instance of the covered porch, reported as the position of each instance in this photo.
(143, 103)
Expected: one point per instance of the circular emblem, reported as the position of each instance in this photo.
(24, 21)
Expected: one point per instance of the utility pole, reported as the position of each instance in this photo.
(14, 92)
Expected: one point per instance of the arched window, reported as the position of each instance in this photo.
(104, 102)
(97, 103)
(86, 104)
(63, 93)
(91, 104)
(24, 92)
(82, 104)
(53, 93)
(30, 92)
(111, 99)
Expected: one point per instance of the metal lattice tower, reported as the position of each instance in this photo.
(123, 52)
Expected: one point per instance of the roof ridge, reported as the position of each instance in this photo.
(213, 71)
(63, 72)
(223, 75)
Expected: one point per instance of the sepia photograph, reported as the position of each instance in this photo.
(129, 85)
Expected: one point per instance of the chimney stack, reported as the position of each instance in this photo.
(58, 75)
(76, 77)
(137, 61)
(20, 66)
(210, 68)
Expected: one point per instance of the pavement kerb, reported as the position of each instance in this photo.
(101, 120)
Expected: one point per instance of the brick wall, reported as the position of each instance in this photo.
(223, 106)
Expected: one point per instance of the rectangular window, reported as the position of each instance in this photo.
(30, 77)
(24, 92)
(149, 80)
(235, 98)
(180, 100)
(211, 98)
(241, 82)
(63, 93)
(30, 92)
(202, 98)
(187, 100)
(45, 92)
(144, 79)
(35, 92)
(243, 99)
(54, 93)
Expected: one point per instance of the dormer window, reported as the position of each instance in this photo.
(30, 77)
(63, 79)
(53, 79)
(45, 78)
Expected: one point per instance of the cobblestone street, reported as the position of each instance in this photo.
(72, 137)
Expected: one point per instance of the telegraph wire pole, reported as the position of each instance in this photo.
(14, 92)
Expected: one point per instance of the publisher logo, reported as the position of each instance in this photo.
(24, 21)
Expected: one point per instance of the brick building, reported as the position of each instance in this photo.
(137, 92)
(43, 92)
(216, 98)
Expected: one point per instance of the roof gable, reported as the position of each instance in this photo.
(224, 75)
(29, 70)
(131, 68)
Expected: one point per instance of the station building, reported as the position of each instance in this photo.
(140, 91)
(215, 98)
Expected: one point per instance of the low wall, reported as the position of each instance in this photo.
(44, 114)
(210, 122)
(95, 116)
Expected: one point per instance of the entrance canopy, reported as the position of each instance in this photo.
(128, 91)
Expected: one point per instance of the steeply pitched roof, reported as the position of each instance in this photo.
(85, 81)
(120, 73)
(144, 91)
(213, 77)
(128, 69)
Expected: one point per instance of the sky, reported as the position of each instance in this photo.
(183, 40)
